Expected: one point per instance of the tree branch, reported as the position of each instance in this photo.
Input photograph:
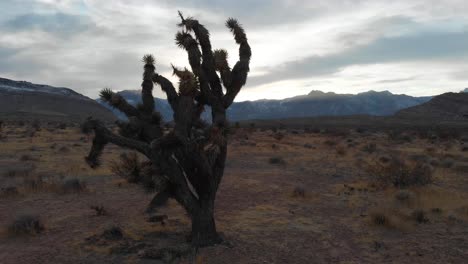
(147, 85)
(241, 69)
(222, 66)
(117, 101)
(186, 41)
(208, 64)
(168, 88)
(104, 136)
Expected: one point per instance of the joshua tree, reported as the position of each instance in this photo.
(186, 163)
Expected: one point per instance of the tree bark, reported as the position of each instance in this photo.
(204, 228)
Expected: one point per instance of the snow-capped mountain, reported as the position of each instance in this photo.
(25, 100)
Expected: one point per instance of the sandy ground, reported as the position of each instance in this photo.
(257, 212)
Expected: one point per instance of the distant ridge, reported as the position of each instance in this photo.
(25, 100)
(315, 103)
(448, 106)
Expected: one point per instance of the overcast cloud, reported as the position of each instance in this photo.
(415, 47)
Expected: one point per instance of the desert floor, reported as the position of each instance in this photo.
(345, 215)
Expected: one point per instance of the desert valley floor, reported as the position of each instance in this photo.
(286, 197)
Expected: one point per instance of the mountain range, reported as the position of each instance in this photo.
(20, 99)
(316, 103)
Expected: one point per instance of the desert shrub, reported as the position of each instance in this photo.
(420, 216)
(434, 162)
(314, 130)
(26, 225)
(278, 136)
(64, 149)
(73, 185)
(400, 136)
(447, 134)
(36, 125)
(384, 159)
(99, 209)
(299, 191)
(20, 170)
(162, 219)
(342, 133)
(447, 163)
(9, 191)
(431, 150)
(113, 233)
(30, 132)
(330, 142)
(62, 126)
(133, 170)
(380, 218)
(401, 173)
(403, 195)
(370, 147)
(463, 168)
(361, 130)
(420, 158)
(26, 157)
(247, 143)
(276, 160)
(33, 183)
(308, 146)
(340, 151)
(128, 167)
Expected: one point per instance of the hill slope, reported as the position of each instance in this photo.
(24, 100)
(448, 106)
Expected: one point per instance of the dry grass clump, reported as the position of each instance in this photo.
(128, 167)
(26, 157)
(403, 195)
(73, 185)
(330, 143)
(277, 161)
(370, 147)
(379, 218)
(278, 136)
(420, 216)
(9, 191)
(64, 149)
(447, 163)
(33, 183)
(26, 225)
(308, 146)
(113, 233)
(18, 170)
(299, 192)
(99, 209)
(133, 170)
(340, 151)
(401, 173)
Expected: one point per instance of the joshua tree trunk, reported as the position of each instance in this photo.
(203, 226)
(186, 163)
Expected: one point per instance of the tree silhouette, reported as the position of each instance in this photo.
(186, 163)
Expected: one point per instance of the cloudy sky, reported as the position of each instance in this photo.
(417, 47)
